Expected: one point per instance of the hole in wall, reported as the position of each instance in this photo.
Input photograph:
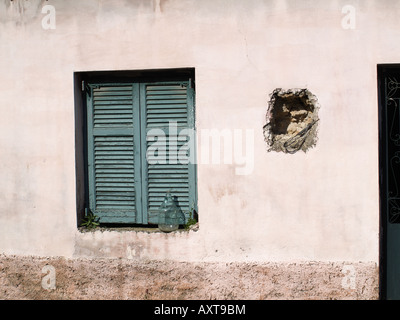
(292, 121)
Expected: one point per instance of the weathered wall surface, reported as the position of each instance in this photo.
(31, 278)
(316, 206)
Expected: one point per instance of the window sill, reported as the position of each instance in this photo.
(194, 228)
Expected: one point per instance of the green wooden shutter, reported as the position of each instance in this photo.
(123, 186)
(164, 104)
(114, 153)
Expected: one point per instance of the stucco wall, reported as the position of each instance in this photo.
(316, 206)
(60, 278)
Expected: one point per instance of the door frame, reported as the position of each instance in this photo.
(389, 233)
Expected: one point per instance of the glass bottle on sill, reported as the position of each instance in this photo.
(170, 216)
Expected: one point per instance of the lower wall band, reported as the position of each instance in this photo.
(27, 277)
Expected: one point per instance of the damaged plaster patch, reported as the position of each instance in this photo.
(292, 120)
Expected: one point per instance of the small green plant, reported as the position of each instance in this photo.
(90, 221)
(191, 220)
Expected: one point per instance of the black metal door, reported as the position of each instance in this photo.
(389, 179)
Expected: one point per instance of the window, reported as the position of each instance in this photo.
(136, 130)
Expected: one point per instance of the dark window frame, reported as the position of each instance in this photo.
(82, 83)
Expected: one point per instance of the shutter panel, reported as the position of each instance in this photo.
(112, 154)
(168, 107)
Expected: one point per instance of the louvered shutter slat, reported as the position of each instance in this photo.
(166, 104)
(113, 194)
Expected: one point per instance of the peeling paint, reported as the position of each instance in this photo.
(20, 11)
